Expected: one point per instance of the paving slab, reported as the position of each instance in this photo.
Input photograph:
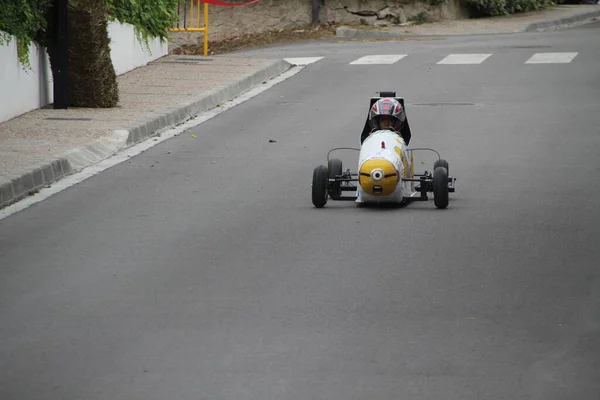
(45, 145)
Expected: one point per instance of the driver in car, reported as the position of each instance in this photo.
(387, 113)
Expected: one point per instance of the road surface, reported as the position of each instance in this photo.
(200, 269)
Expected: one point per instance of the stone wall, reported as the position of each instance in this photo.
(382, 12)
(267, 15)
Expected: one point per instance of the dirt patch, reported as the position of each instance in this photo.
(253, 40)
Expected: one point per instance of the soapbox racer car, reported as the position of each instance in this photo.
(385, 173)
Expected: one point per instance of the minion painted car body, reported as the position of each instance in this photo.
(385, 173)
(382, 165)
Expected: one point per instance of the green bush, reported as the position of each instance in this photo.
(419, 19)
(151, 18)
(22, 19)
(490, 8)
(26, 19)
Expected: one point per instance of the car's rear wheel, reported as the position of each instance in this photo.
(319, 186)
(440, 187)
(334, 167)
(441, 163)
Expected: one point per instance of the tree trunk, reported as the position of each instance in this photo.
(91, 75)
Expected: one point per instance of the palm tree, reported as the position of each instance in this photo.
(92, 80)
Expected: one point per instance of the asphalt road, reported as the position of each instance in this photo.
(200, 269)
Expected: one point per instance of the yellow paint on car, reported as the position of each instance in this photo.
(378, 177)
(404, 161)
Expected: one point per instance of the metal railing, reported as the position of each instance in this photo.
(192, 21)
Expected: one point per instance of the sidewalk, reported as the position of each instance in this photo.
(45, 145)
(556, 17)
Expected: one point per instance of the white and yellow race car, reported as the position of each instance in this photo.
(386, 173)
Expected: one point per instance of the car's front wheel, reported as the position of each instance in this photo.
(319, 186)
(440, 187)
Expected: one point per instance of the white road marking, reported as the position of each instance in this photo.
(379, 59)
(126, 154)
(551, 58)
(301, 61)
(464, 59)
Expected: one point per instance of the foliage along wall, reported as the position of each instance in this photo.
(29, 88)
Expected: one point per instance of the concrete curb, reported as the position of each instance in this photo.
(24, 183)
(351, 33)
(579, 18)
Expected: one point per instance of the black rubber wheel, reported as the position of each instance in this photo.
(334, 167)
(440, 187)
(442, 163)
(319, 186)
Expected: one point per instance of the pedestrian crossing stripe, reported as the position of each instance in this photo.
(551, 58)
(379, 59)
(464, 59)
(451, 59)
(302, 61)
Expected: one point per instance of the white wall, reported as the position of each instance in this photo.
(126, 51)
(23, 90)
